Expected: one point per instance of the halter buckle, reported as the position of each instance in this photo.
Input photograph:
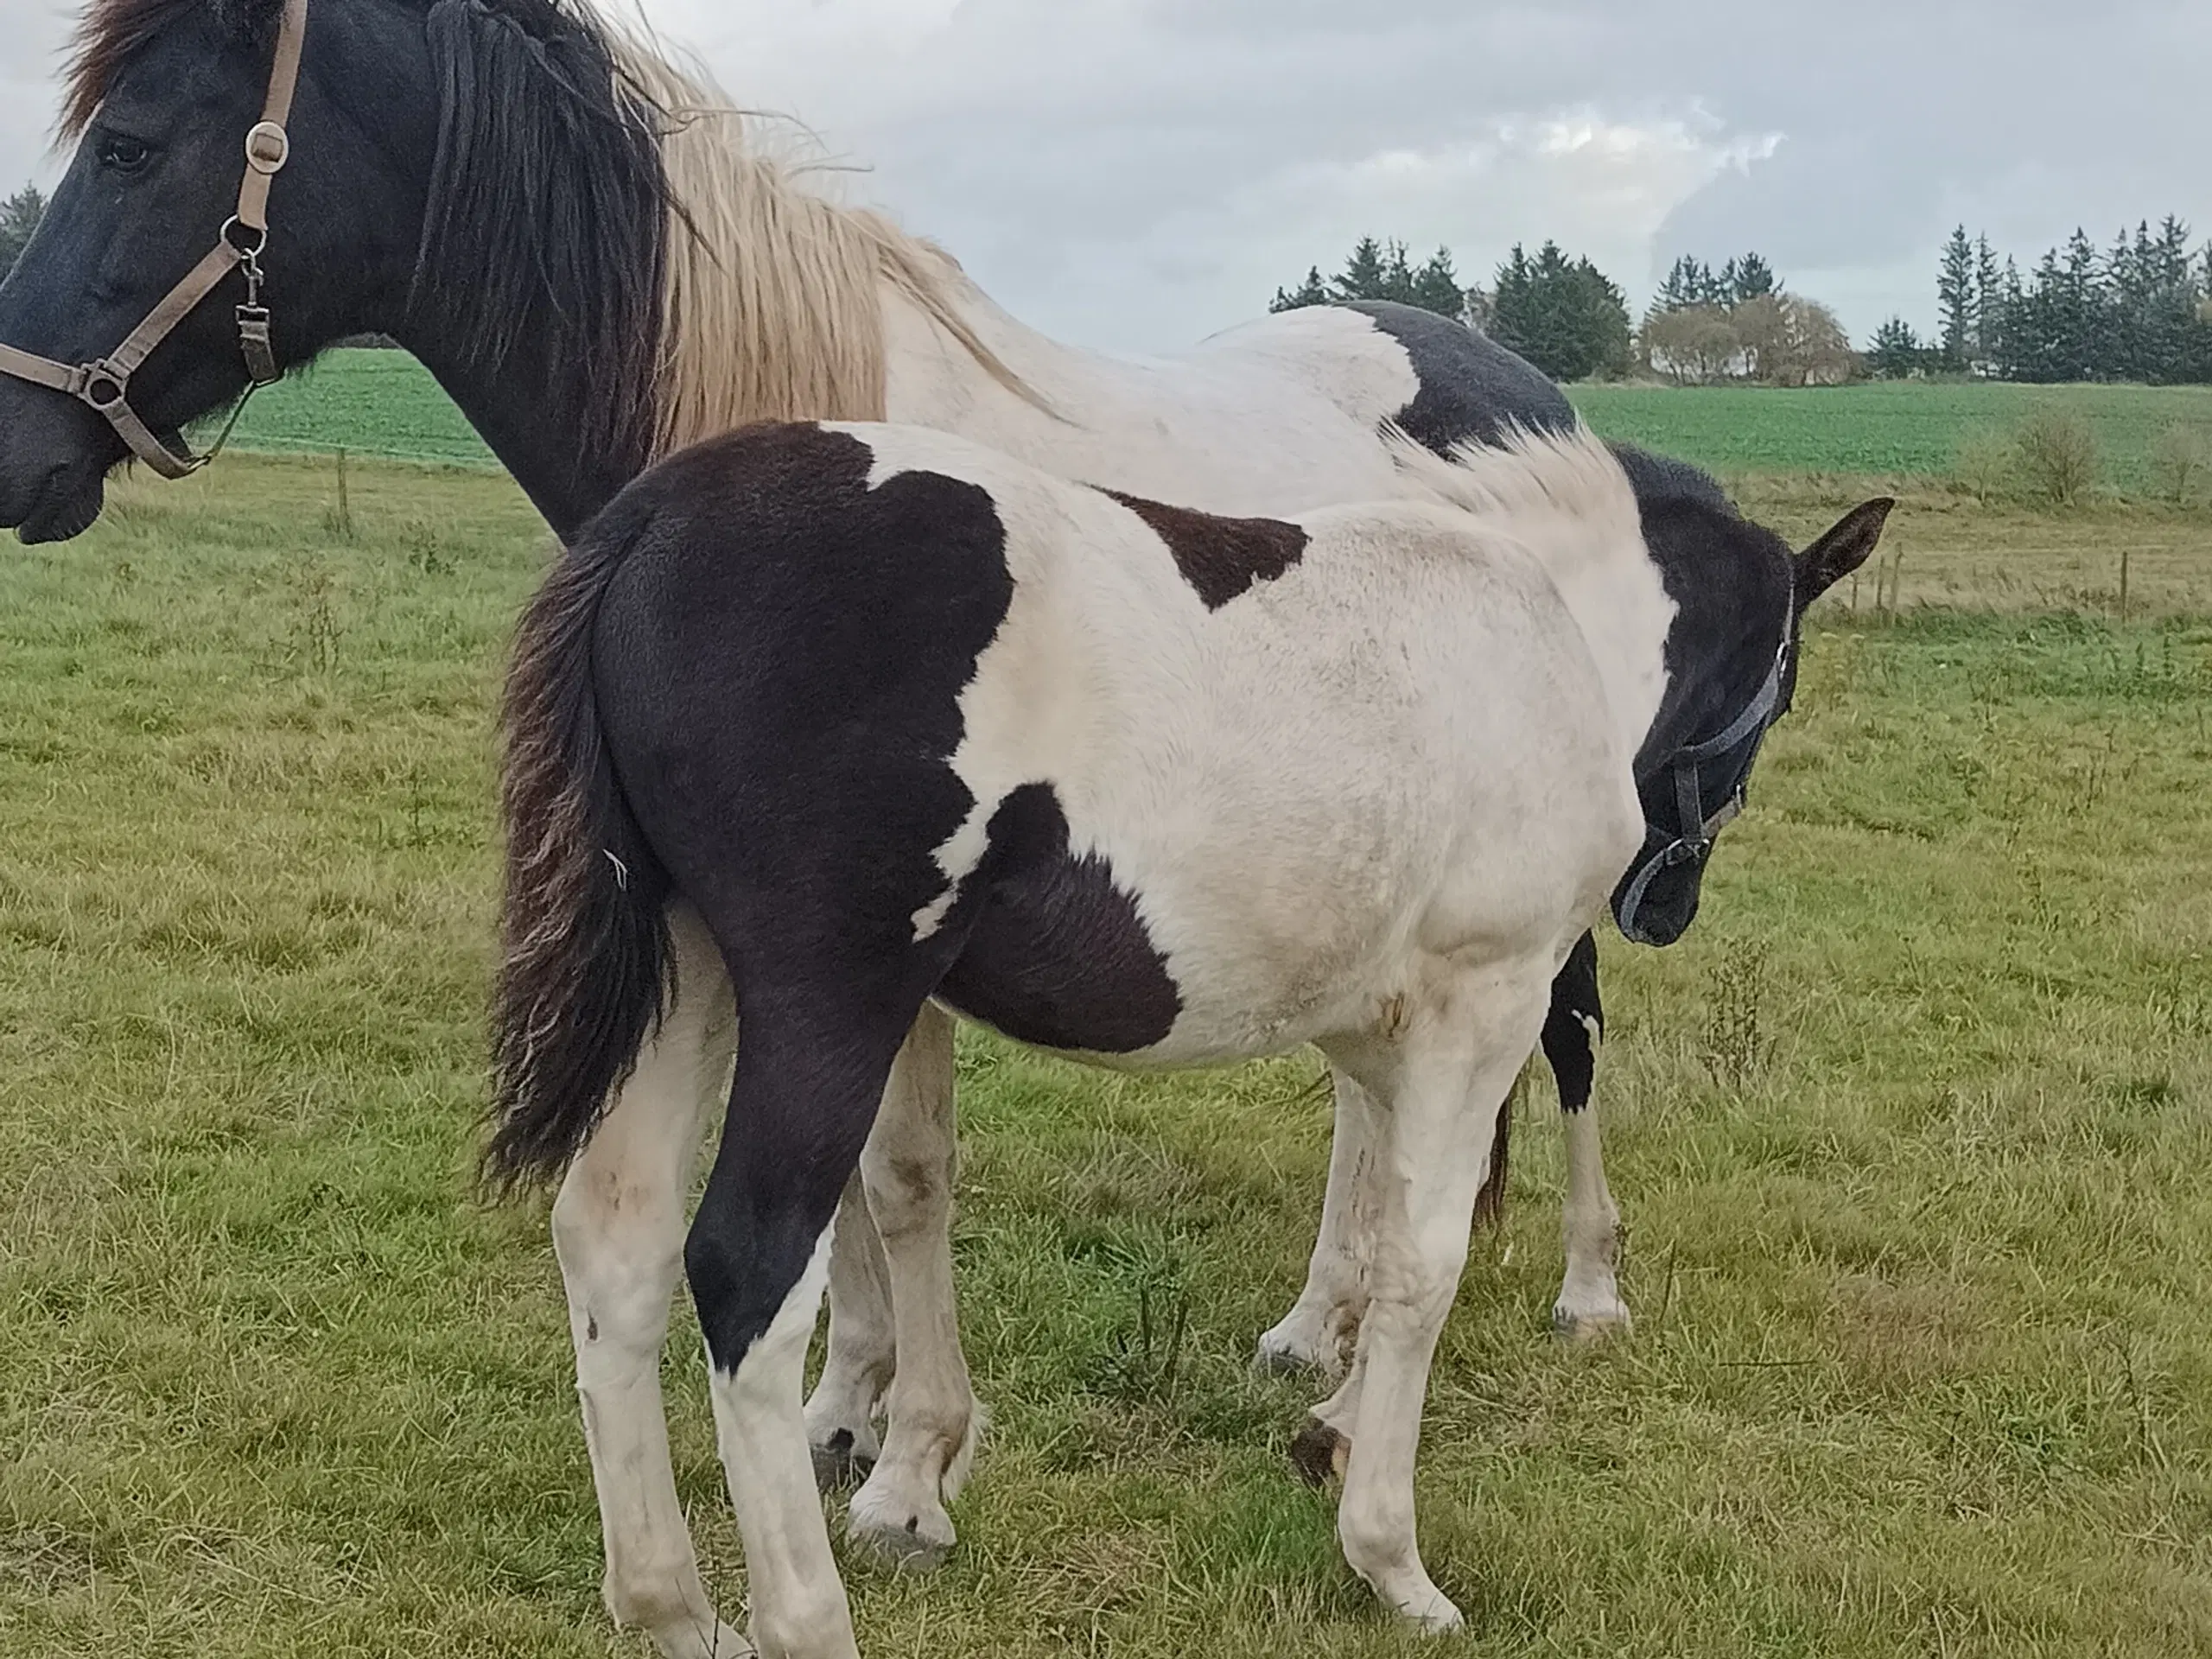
(104, 389)
(268, 146)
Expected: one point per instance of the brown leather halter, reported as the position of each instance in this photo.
(104, 382)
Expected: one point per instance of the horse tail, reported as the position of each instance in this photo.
(586, 962)
(1489, 1203)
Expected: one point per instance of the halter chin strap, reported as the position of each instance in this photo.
(104, 382)
(1693, 841)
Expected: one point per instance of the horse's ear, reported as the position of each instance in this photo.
(1848, 544)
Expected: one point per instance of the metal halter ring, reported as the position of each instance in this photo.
(268, 146)
(103, 389)
(234, 232)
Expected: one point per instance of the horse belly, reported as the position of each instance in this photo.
(1061, 951)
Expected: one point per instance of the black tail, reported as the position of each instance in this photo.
(1489, 1203)
(585, 963)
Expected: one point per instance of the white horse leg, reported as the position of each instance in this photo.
(1441, 1083)
(1319, 1329)
(862, 1351)
(908, 1169)
(799, 1610)
(1589, 1304)
(618, 1231)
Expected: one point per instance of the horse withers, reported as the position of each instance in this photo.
(886, 717)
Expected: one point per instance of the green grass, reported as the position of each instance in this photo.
(1899, 428)
(1911, 1136)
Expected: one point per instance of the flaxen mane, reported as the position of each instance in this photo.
(774, 292)
(1564, 494)
(597, 198)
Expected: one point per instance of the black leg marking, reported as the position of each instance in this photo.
(1569, 1044)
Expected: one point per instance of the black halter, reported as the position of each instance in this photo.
(1691, 840)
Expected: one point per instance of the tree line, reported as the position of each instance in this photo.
(1735, 323)
(1563, 314)
(2140, 311)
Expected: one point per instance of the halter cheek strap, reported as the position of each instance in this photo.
(104, 382)
(1694, 840)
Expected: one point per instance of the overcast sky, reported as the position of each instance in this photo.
(1135, 173)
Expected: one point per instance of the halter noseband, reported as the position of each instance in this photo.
(1692, 841)
(104, 382)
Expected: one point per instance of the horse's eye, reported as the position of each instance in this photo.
(123, 155)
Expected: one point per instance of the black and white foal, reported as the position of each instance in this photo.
(892, 717)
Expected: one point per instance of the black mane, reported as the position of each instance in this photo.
(549, 208)
(1658, 479)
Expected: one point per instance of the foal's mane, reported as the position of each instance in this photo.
(1563, 494)
(596, 195)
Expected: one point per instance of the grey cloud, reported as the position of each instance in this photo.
(1137, 172)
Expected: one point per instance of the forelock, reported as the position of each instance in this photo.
(112, 32)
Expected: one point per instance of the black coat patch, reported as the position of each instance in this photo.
(1472, 389)
(1056, 953)
(1569, 1045)
(1220, 557)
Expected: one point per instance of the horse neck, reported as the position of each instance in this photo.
(533, 415)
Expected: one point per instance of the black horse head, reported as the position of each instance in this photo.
(1732, 667)
(424, 134)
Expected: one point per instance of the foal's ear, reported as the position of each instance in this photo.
(1847, 544)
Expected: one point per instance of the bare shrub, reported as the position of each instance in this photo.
(2059, 454)
(1987, 466)
(2182, 462)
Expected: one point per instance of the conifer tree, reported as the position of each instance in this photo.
(1954, 294)
(19, 217)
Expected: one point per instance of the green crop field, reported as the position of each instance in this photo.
(385, 403)
(1896, 428)
(1911, 1135)
(368, 403)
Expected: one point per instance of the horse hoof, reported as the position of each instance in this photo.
(1319, 1454)
(1598, 1322)
(837, 1464)
(915, 1546)
(905, 1537)
(1284, 1361)
(1282, 1352)
(688, 1640)
(1439, 1618)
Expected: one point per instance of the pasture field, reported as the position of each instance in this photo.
(386, 403)
(1911, 1133)
(370, 403)
(1895, 426)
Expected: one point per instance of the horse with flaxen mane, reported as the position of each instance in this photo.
(891, 718)
(601, 262)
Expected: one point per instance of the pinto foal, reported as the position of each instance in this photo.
(881, 717)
